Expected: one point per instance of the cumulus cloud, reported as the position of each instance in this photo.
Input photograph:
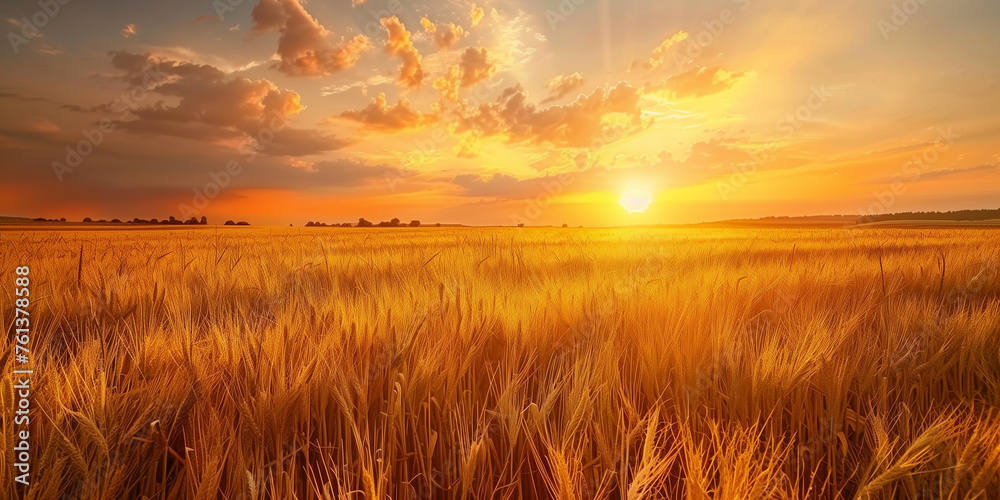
(579, 124)
(696, 82)
(660, 53)
(445, 36)
(211, 106)
(379, 115)
(477, 14)
(411, 72)
(303, 48)
(474, 67)
(561, 86)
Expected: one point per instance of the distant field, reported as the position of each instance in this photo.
(927, 224)
(504, 363)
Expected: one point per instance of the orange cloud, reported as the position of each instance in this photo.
(579, 124)
(129, 31)
(445, 37)
(411, 72)
(697, 82)
(303, 47)
(379, 115)
(660, 53)
(477, 15)
(474, 67)
(43, 127)
(561, 86)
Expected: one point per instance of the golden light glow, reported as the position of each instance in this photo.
(636, 199)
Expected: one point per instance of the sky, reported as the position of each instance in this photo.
(544, 112)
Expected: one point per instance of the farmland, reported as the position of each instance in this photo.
(505, 363)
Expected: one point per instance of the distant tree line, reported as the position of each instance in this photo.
(172, 221)
(962, 215)
(362, 222)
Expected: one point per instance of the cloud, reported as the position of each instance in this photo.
(579, 124)
(512, 37)
(477, 14)
(561, 86)
(211, 106)
(697, 82)
(129, 31)
(11, 95)
(499, 185)
(303, 48)
(446, 36)
(348, 173)
(577, 171)
(362, 84)
(42, 127)
(559, 160)
(207, 18)
(474, 67)
(379, 115)
(659, 54)
(411, 73)
(937, 174)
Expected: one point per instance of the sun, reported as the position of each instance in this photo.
(636, 199)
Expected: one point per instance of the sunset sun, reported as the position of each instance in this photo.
(636, 199)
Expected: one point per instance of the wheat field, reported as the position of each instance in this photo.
(462, 363)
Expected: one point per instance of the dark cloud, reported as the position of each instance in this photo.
(211, 106)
